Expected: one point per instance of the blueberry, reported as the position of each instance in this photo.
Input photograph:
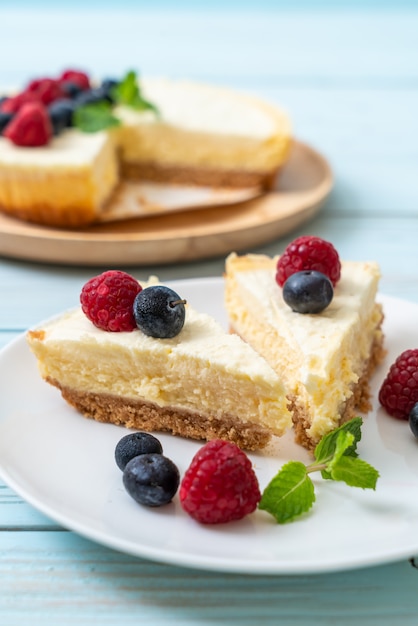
(5, 118)
(109, 83)
(308, 291)
(151, 479)
(159, 312)
(107, 86)
(133, 445)
(413, 419)
(92, 96)
(61, 115)
(72, 90)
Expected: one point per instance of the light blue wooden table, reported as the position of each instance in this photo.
(349, 78)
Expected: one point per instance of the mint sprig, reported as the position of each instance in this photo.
(291, 492)
(128, 93)
(91, 118)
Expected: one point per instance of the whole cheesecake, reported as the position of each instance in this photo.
(202, 384)
(194, 134)
(325, 360)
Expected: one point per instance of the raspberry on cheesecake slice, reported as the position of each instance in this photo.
(324, 358)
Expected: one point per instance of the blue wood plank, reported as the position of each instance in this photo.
(59, 578)
(219, 5)
(16, 513)
(263, 44)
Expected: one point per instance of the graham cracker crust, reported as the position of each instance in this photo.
(140, 415)
(206, 177)
(359, 401)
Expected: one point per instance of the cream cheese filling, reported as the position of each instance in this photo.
(203, 125)
(203, 369)
(71, 148)
(197, 107)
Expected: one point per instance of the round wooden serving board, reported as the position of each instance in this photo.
(304, 183)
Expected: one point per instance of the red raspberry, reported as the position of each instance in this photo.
(14, 103)
(399, 390)
(220, 484)
(47, 89)
(107, 300)
(75, 76)
(30, 126)
(309, 253)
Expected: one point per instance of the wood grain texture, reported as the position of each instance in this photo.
(73, 580)
(348, 77)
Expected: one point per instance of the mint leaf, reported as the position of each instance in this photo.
(354, 472)
(289, 494)
(343, 446)
(325, 449)
(91, 118)
(127, 92)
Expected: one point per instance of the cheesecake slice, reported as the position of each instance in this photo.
(325, 360)
(202, 384)
(65, 183)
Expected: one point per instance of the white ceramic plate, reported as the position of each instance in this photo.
(63, 464)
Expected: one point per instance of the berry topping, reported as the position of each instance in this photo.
(30, 126)
(309, 253)
(14, 103)
(399, 391)
(71, 90)
(308, 292)
(46, 89)
(133, 445)
(151, 479)
(107, 300)
(220, 485)
(109, 85)
(74, 76)
(61, 115)
(159, 312)
(5, 118)
(92, 96)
